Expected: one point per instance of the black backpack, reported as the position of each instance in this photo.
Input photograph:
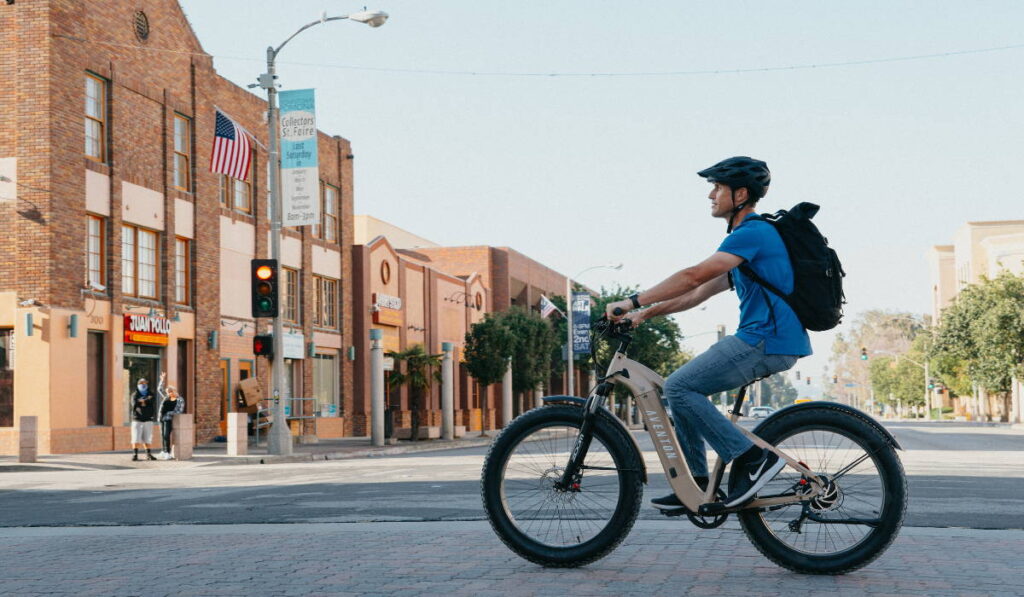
(817, 297)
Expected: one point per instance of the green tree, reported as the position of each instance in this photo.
(982, 333)
(881, 333)
(421, 370)
(900, 377)
(778, 390)
(489, 345)
(534, 342)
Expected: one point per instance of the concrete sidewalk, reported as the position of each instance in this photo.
(215, 453)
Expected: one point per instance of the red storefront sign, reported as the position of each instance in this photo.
(144, 329)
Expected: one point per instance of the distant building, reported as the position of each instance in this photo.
(979, 249)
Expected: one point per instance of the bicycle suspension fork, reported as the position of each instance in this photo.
(574, 467)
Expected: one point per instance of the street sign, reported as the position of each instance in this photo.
(580, 323)
(300, 178)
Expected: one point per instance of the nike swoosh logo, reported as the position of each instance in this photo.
(755, 475)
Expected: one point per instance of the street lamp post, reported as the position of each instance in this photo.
(279, 441)
(568, 318)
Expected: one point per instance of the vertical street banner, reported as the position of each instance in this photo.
(300, 178)
(580, 323)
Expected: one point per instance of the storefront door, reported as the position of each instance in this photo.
(140, 362)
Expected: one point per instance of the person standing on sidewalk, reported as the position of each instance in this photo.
(170, 404)
(143, 413)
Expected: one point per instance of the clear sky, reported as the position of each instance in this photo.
(576, 171)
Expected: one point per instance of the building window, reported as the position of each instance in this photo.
(330, 213)
(325, 302)
(95, 117)
(139, 257)
(182, 153)
(95, 252)
(236, 194)
(325, 385)
(292, 295)
(182, 282)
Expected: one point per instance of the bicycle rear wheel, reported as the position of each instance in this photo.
(549, 526)
(858, 516)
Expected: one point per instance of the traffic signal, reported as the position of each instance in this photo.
(808, 381)
(798, 376)
(263, 345)
(931, 384)
(863, 353)
(835, 379)
(265, 290)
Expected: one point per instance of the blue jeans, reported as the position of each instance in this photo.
(728, 364)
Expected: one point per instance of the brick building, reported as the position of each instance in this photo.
(414, 304)
(126, 256)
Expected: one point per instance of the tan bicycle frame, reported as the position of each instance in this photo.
(647, 387)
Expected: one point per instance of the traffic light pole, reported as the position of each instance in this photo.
(280, 439)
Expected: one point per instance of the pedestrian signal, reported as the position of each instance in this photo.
(864, 354)
(263, 345)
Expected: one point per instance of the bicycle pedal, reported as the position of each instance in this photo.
(674, 513)
(712, 509)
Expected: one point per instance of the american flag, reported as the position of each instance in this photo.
(547, 307)
(231, 154)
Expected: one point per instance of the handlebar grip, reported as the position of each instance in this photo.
(617, 311)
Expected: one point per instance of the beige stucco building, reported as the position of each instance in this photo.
(979, 249)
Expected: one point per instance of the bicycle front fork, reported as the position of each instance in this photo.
(570, 480)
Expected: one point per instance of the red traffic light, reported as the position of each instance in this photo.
(264, 272)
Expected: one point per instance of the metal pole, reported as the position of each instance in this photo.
(447, 393)
(376, 388)
(927, 393)
(280, 440)
(571, 387)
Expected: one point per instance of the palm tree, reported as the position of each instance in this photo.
(421, 369)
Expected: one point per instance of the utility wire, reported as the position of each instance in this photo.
(675, 73)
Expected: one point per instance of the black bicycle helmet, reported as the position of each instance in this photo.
(741, 171)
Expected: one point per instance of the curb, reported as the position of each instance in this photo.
(351, 454)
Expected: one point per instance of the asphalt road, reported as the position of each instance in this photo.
(959, 476)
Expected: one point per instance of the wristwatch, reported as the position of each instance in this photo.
(635, 299)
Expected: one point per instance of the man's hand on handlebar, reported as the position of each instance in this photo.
(615, 311)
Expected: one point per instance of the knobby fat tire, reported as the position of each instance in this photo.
(894, 483)
(625, 457)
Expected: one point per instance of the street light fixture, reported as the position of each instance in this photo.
(279, 441)
(568, 317)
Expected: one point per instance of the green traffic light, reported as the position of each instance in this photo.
(265, 303)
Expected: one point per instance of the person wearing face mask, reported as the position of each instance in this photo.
(170, 404)
(143, 414)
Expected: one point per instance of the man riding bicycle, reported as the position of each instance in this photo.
(769, 339)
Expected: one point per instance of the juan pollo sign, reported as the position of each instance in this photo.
(146, 329)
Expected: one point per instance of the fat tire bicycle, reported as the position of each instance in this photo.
(562, 484)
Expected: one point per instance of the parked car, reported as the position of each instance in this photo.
(761, 412)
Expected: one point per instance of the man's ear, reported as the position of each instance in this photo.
(742, 196)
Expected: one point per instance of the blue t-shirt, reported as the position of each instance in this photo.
(758, 243)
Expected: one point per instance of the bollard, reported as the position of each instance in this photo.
(376, 388)
(28, 439)
(238, 434)
(506, 396)
(447, 393)
(182, 437)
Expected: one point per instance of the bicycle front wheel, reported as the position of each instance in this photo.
(861, 510)
(549, 526)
